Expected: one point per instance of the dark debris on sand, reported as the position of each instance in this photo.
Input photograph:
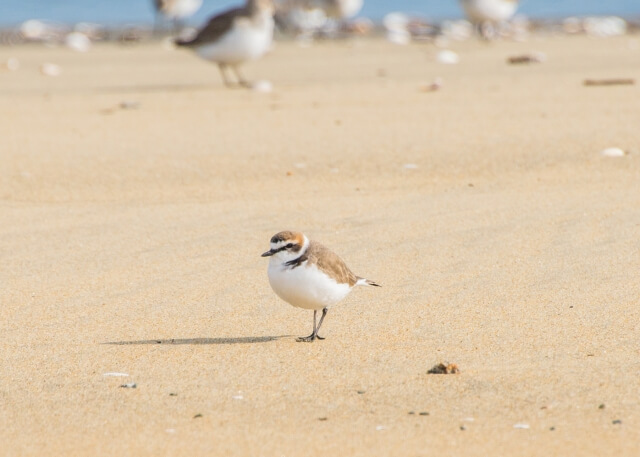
(444, 368)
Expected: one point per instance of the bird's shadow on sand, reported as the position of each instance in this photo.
(230, 340)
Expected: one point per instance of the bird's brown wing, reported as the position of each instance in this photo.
(330, 263)
(215, 28)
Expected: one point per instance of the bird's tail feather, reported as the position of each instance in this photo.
(366, 282)
(182, 42)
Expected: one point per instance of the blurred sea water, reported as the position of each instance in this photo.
(123, 12)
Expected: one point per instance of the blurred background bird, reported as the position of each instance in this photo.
(235, 36)
(487, 15)
(175, 11)
(307, 17)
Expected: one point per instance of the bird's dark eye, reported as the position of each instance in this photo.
(289, 246)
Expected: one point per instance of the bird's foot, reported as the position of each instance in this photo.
(307, 339)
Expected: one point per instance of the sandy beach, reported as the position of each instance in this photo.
(137, 194)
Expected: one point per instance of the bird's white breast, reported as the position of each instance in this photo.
(247, 39)
(305, 286)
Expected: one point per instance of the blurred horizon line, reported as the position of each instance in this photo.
(120, 13)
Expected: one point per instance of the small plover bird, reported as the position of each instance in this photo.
(232, 37)
(487, 13)
(308, 275)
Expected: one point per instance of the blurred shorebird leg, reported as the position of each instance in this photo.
(310, 338)
(178, 25)
(487, 30)
(243, 82)
(223, 72)
(324, 313)
(157, 24)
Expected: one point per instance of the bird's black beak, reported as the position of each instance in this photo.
(268, 253)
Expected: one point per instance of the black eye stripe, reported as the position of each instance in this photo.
(282, 248)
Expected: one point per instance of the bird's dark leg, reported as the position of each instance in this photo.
(178, 25)
(324, 313)
(487, 30)
(310, 338)
(223, 72)
(243, 82)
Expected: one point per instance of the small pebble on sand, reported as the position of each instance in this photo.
(435, 85)
(534, 57)
(444, 368)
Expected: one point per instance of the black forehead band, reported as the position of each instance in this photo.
(277, 238)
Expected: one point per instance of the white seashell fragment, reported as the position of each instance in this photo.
(522, 426)
(50, 69)
(238, 397)
(77, 41)
(410, 166)
(12, 64)
(380, 427)
(115, 373)
(263, 86)
(33, 29)
(447, 57)
(613, 152)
